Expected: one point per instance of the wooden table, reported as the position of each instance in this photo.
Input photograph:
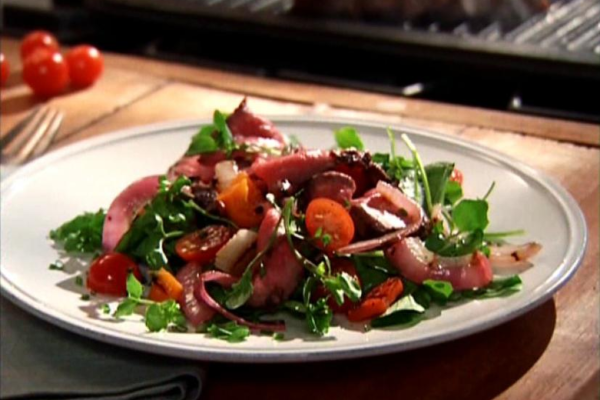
(549, 353)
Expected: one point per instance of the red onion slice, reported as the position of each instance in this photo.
(228, 280)
(196, 311)
(124, 209)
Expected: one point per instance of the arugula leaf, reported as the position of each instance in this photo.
(318, 315)
(440, 291)
(405, 312)
(348, 137)
(240, 291)
(454, 192)
(456, 246)
(134, 287)
(469, 215)
(224, 136)
(372, 268)
(229, 331)
(126, 307)
(343, 284)
(165, 218)
(437, 176)
(160, 316)
(203, 141)
(497, 288)
(82, 234)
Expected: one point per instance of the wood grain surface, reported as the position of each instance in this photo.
(548, 353)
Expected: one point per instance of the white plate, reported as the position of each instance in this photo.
(86, 177)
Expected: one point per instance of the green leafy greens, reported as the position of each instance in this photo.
(158, 316)
(214, 137)
(347, 138)
(82, 234)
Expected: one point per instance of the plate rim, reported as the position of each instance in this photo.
(578, 235)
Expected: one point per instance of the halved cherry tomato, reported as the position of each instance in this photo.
(338, 265)
(243, 202)
(38, 40)
(169, 284)
(377, 300)
(85, 65)
(108, 274)
(202, 246)
(157, 293)
(332, 221)
(46, 73)
(457, 176)
(5, 69)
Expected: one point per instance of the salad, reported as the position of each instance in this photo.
(248, 226)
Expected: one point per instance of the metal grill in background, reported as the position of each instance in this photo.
(568, 25)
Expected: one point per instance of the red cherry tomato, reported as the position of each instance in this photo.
(46, 73)
(457, 176)
(108, 274)
(85, 65)
(202, 246)
(5, 69)
(338, 266)
(38, 40)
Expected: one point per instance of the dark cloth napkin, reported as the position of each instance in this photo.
(41, 361)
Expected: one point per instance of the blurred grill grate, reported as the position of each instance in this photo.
(567, 25)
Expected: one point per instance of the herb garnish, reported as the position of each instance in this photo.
(82, 234)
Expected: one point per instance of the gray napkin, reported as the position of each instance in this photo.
(41, 361)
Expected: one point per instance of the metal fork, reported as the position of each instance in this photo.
(31, 137)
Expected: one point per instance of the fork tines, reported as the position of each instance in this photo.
(32, 136)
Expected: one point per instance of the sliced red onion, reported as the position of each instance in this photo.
(513, 258)
(400, 200)
(415, 262)
(372, 244)
(124, 209)
(196, 311)
(228, 280)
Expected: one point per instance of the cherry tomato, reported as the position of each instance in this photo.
(331, 221)
(338, 266)
(38, 40)
(46, 73)
(108, 274)
(5, 69)
(202, 246)
(377, 300)
(457, 176)
(85, 65)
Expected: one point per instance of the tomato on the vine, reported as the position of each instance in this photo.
(46, 73)
(5, 69)
(85, 65)
(38, 40)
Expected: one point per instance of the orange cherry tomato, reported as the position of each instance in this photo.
(377, 300)
(38, 40)
(331, 221)
(457, 176)
(158, 294)
(5, 69)
(243, 202)
(108, 274)
(46, 73)
(202, 246)
(169, 284)
(85, 65)
(338, 265)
